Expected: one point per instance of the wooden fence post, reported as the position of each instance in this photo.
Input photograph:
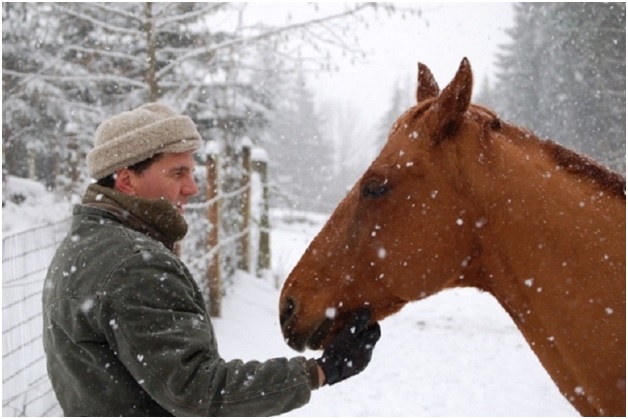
(245, 241)
(260, 165)
(214, 277)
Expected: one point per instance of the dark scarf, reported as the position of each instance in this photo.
(157, 218)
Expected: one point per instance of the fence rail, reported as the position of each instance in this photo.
(26, 389)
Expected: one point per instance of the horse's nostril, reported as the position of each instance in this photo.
(287, 310)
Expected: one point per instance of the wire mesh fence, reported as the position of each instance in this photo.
(26, 389)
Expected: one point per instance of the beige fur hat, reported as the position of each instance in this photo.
(137, 135)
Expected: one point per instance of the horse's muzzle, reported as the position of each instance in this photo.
(297, 335)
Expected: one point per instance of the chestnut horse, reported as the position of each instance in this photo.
(458, 198)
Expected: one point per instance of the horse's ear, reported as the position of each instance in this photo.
(427, 87)
(446, 114)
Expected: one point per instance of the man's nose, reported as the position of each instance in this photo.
(190, 188)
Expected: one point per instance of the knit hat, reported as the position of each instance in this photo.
(131, 137)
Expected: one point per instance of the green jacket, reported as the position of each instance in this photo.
(126, 332)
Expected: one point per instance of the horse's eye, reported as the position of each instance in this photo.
(375, 188)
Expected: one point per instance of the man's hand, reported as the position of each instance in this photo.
(350, 351)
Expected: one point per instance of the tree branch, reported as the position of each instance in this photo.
(100, 24)
(212, 50)
(96, 78)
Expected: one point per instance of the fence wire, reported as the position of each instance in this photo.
(26, 389)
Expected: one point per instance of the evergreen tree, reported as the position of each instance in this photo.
(519, 66)
(563, 76)
(301, 157)
(30, 106)
(402, 98)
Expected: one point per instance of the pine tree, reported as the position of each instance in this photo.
(520, 69)
(563, 76)
(402, 98)
(30, 105)
(301, 156)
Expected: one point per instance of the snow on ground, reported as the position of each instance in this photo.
(453, 354)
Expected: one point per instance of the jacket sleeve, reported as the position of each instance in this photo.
(155, 320)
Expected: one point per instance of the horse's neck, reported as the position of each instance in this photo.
(549, 237)
(553, 249)
(544, 220)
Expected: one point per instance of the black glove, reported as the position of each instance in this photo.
(351, 350)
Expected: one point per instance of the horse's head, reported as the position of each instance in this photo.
(404, 231)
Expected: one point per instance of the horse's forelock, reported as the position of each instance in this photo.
(411, 115)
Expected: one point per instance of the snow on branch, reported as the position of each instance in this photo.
(105, 53)
(96, 78)
(209, 8)
(97, 23)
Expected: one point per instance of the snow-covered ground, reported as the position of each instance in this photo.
(454, 354)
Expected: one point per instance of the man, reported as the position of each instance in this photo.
(126, 330)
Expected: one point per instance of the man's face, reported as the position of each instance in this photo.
(170, 177)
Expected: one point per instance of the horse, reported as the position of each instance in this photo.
(461, 198)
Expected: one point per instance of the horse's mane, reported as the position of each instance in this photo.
(569, 160)
(575, 163)
(579, 164)
(566, 159)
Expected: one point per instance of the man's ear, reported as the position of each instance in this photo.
(124, 181)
